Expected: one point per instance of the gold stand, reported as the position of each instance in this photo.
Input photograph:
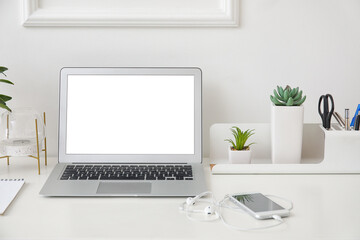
(37, 144)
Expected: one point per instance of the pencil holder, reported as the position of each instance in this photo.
(342, 147)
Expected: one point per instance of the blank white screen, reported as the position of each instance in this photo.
(130, 114)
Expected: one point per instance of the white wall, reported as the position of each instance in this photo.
(314, 44)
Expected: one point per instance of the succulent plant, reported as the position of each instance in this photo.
(240, 138)
(287, 97)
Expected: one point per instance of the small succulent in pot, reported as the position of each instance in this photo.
(239, 152)
(240, 138)
(288, 96)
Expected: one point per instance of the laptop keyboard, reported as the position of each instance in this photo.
(127, 172)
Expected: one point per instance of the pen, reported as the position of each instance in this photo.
(357, 123)
(347, 126)
(352, 124)
(339, 119)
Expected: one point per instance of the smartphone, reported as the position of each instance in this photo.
(259, 206)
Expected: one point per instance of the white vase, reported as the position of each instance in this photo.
(286, 133)
(240, 156)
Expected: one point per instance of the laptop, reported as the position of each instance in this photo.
(129, 132)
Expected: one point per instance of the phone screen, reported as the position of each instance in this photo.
(257, 202)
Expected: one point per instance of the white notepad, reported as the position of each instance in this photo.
(8, 190)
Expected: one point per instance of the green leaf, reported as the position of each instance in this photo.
(296, 92)
(281, 91)
(250, 144)
(286, 95)
(5, 98)
(293, 91)
(231, 141)
(3, 69)
(298, 103)
(5, 107)
(290, 102)
(298, 96)
(277, 95)
(235, 134)
(6, 81)
(276, 102)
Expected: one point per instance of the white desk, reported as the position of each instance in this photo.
(325, 207)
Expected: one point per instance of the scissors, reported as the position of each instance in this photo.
(326, 115)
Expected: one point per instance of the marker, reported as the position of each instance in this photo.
(347, 125)
(357, 123)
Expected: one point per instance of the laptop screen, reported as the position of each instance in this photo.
(127, 115)
(130, 114)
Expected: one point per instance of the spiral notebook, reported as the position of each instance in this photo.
(9, 188)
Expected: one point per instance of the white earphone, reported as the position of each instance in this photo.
(209, 210)
(189, 208)
(213, 212)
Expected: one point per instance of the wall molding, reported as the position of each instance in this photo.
(226, 15)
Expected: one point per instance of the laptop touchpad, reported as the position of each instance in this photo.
(123, 188)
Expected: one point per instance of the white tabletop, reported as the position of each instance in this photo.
(325, 207)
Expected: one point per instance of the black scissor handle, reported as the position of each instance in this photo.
(332, 104)
(322, 98)
(326, 114)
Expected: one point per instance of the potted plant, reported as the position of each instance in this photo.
(4, 98)
(238, 151)
(287, 117)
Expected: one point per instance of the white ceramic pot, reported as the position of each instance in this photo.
(286, 133)
(242, 156)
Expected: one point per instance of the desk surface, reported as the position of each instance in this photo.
(325, 207)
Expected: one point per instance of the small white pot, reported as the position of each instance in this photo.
(240, 157)
(286, 133)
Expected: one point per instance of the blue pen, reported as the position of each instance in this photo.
(356, 114)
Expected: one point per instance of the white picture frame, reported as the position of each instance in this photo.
(198, 13)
